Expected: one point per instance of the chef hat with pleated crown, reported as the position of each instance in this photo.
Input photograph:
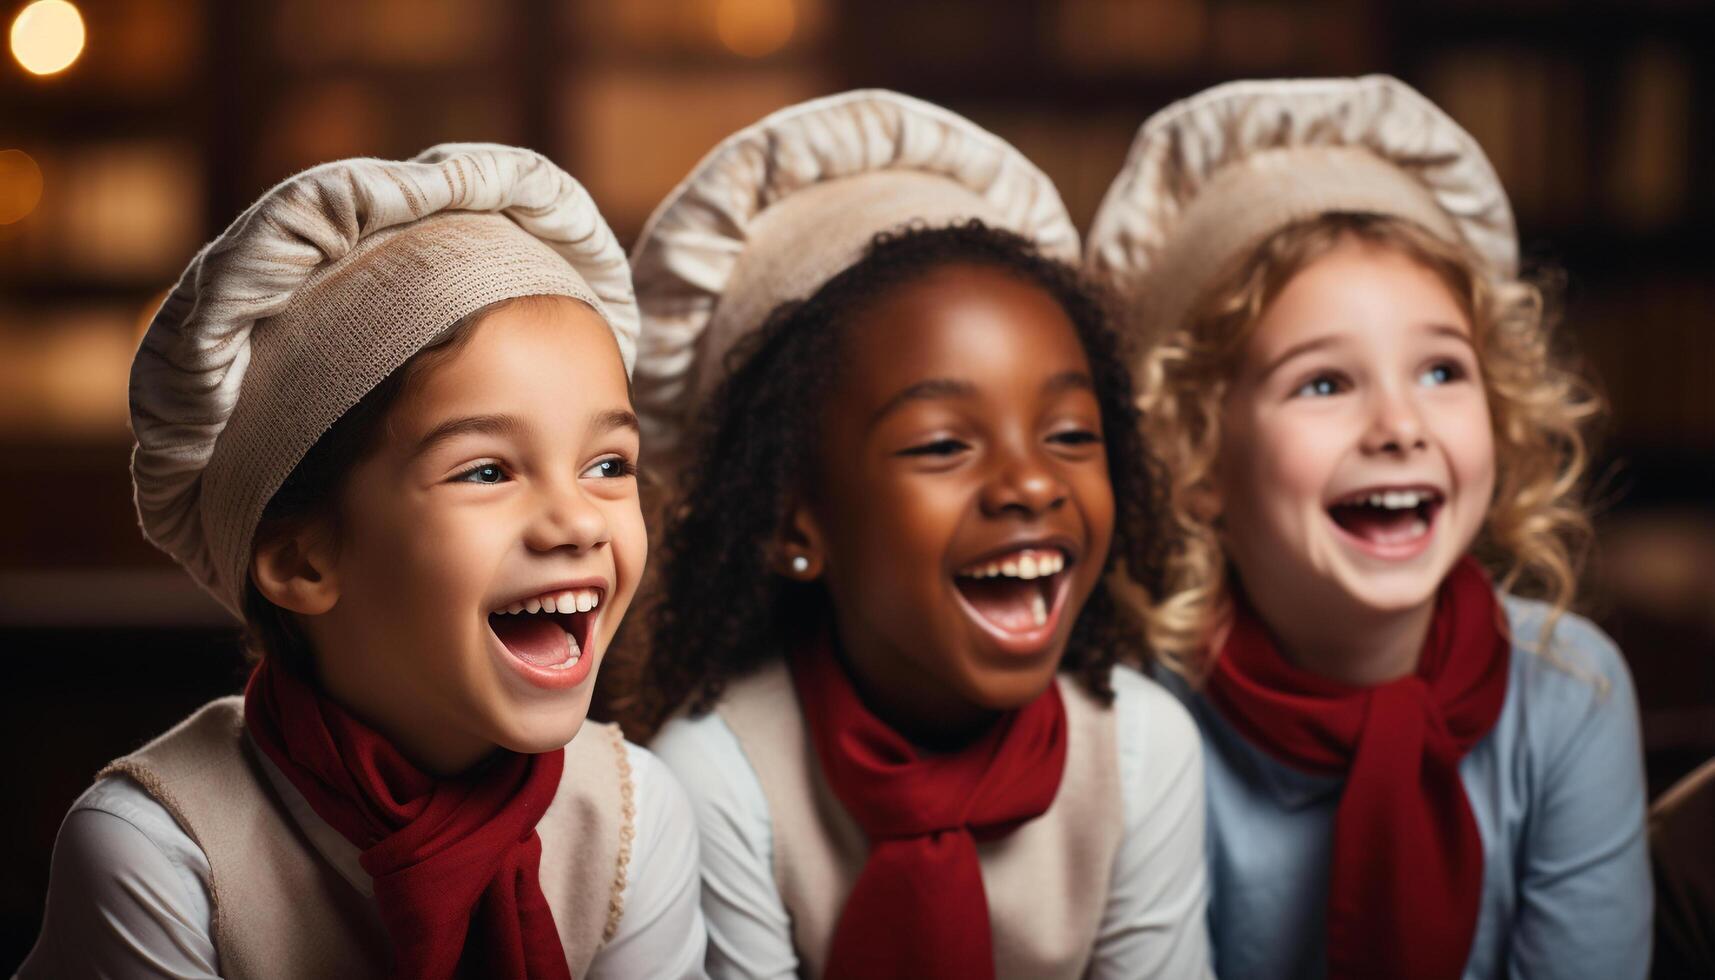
(317, 293)
(781, 207)
(1213, 176)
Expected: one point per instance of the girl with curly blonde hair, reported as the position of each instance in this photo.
(1412, 771)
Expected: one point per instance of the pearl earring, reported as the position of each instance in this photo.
(800, 564)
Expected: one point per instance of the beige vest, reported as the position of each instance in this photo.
(281, 910)
(1047, 881)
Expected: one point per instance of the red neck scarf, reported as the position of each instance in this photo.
(918, 908)
(1408, 860)
(454, 860)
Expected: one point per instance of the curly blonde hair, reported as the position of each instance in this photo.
(1537, 529)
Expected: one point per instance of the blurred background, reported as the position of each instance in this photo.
(131, 131)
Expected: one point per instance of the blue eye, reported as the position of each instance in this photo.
(612, 468)
(1321, 386)
(487, 473)
(1446, 372)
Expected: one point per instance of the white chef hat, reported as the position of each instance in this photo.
(1211, 177)
(318, 292)
(782, 206)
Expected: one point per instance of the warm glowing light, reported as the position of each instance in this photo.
(47, 37)
(755, 28)
(20, 185)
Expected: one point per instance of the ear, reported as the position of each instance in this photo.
(798, 552)
(1204, 502)
(294, 569)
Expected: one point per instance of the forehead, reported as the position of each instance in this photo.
(983, 325)
(1358, 291)
(553, 357)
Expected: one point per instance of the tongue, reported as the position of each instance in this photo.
(534, 638)
(1379, 524)
(1007, 603)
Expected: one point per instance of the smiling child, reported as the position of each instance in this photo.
(909, 465)
(1411, 773)
(386, 420)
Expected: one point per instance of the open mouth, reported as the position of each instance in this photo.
(1387, 518)
(1018, 593)
(549, 631)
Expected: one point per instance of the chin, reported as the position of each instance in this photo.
(543, 738)
(1009, 690)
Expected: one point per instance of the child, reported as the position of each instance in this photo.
(892, 534)
(1410, 773)
(385, 419)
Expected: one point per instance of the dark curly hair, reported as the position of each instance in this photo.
(721, 611)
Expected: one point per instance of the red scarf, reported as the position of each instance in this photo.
(918, 908)
(454, 860)
(1408, 861)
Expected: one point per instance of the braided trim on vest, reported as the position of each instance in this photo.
(627, 834)
(153, 785)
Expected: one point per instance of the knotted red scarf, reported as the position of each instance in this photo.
(1408, 860)
(918, 908)
(454, 860)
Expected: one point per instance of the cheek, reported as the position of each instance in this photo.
(1469, 436)
(1095, 495)
(630, 539)
(436, 560)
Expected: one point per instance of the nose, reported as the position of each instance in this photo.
(1024, 484)
(566, 518)
(1395, 425)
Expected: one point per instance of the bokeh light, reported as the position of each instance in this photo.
(20, 185)
(47, 36)
(755, 28)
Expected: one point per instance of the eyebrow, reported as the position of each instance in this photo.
(926, 390)
(617, 418)
(1069, 381)
(1449, 330)
(501, 425)
(1330, 340)
(956, 388)
(490, 425)
(1304, 347)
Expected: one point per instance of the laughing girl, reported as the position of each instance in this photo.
(1411, 772)
(886, 636)
(385, 419)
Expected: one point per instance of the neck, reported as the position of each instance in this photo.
(385, 705)
(1360, 648)
(910, 702)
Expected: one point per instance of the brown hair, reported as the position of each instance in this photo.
(1537, 529)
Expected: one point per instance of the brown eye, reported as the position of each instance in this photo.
(939, 447)
(1075, 437)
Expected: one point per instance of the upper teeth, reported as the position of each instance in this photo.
(576, 600)
(1395, 499)
(1023, 564)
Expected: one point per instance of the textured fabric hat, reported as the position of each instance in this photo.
(779, 208)
(316, 294)
(1212, 176)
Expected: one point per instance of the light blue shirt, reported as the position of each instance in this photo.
(1557, 788)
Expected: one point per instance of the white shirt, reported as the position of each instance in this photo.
(1153, 924)
(128, 893)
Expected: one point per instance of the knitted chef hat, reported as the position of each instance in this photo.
(316, 294)
(781, 207)
(1211, 177)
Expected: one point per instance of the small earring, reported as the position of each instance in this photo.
(800, 564)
